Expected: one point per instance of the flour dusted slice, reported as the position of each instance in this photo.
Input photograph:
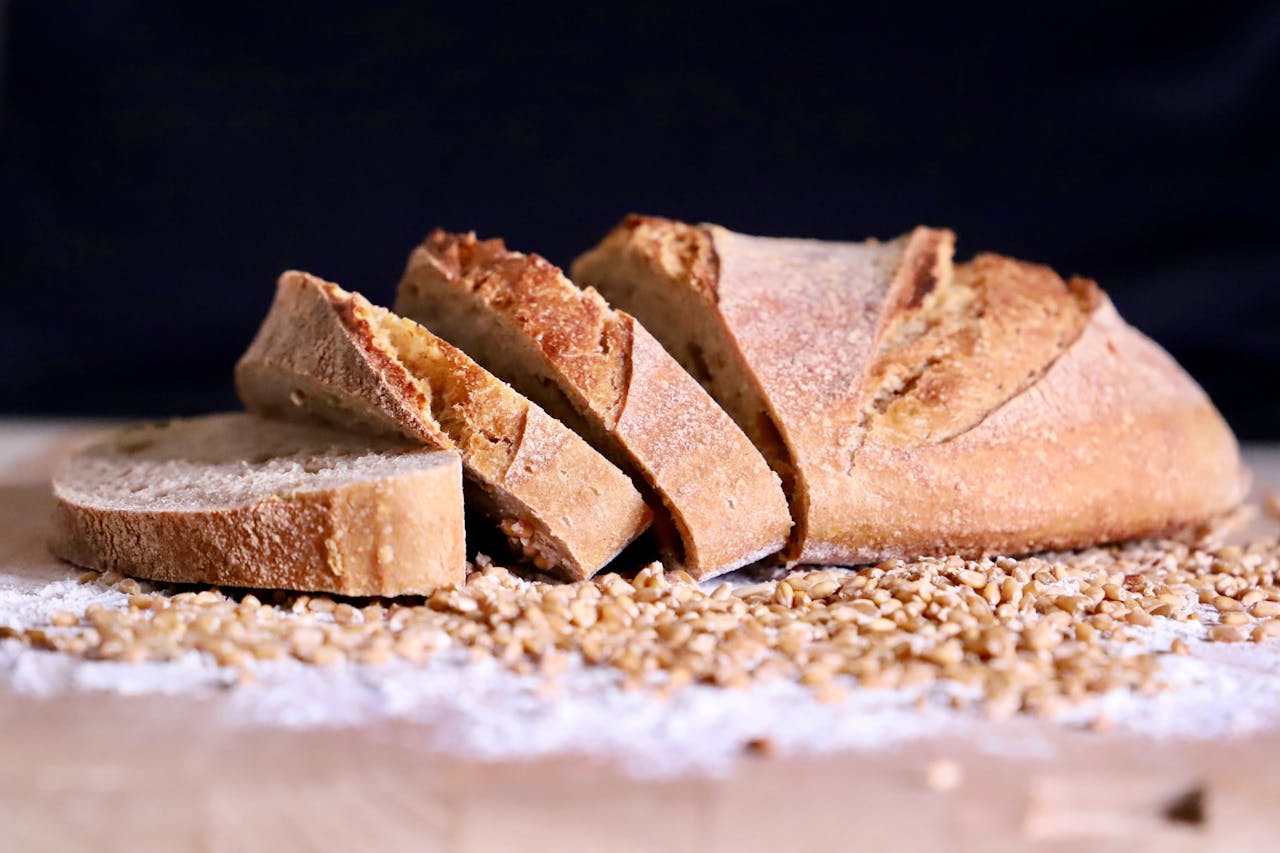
(236, 500)
(912, 408)
(323, 353)
(601, 372)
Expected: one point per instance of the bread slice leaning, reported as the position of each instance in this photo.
(601, 372)
(324, 353)
(780, 332)
(236, 500)
(916, 408)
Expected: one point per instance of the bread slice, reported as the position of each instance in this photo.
(914, 408)
(323, 353)
(780, 332)
(601, 372)
(236, 500)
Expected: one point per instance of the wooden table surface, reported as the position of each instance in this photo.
(96, 771)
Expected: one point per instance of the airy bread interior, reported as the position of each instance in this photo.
(463, 289)
(497, 338)
(479, 421)
(460, 400)
(226, 461)
(328, 354)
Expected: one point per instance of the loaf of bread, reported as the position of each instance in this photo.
(914, 408)
(236, 500)
(779, 332)
(325, 354)
(602, 373)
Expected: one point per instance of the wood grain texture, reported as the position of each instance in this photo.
(112, 773)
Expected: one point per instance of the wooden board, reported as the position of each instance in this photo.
(108, 772)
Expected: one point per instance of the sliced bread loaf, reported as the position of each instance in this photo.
(601, 372)
(916, 409)
(236, 500)
(780, 332)
(323, 353)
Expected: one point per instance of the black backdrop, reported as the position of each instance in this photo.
(161, 162)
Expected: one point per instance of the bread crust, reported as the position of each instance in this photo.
(389, 536)
(1113, 442)
(798, 322)
(322, 354)
(726, 503)
(970, 345)
(968, 459)
(628, 396)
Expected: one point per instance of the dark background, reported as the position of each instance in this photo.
(160, 163)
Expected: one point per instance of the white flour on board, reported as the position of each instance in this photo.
(482, 710)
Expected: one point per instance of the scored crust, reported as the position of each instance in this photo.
(233, 500)
(324, 353)
(974, 341)
(1112, 441)
(872, 375)
(780, 331)
(1011, 411)
(602, 372)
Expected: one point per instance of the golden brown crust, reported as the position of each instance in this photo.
(678, 250)
(395, 535)
(975, 341)
(574, 328)
(884, 375)
(726, 503)
(794, 325)
(281, 378)
(662, 270)
(599, 365)
(1114, 441)
(328, 354)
